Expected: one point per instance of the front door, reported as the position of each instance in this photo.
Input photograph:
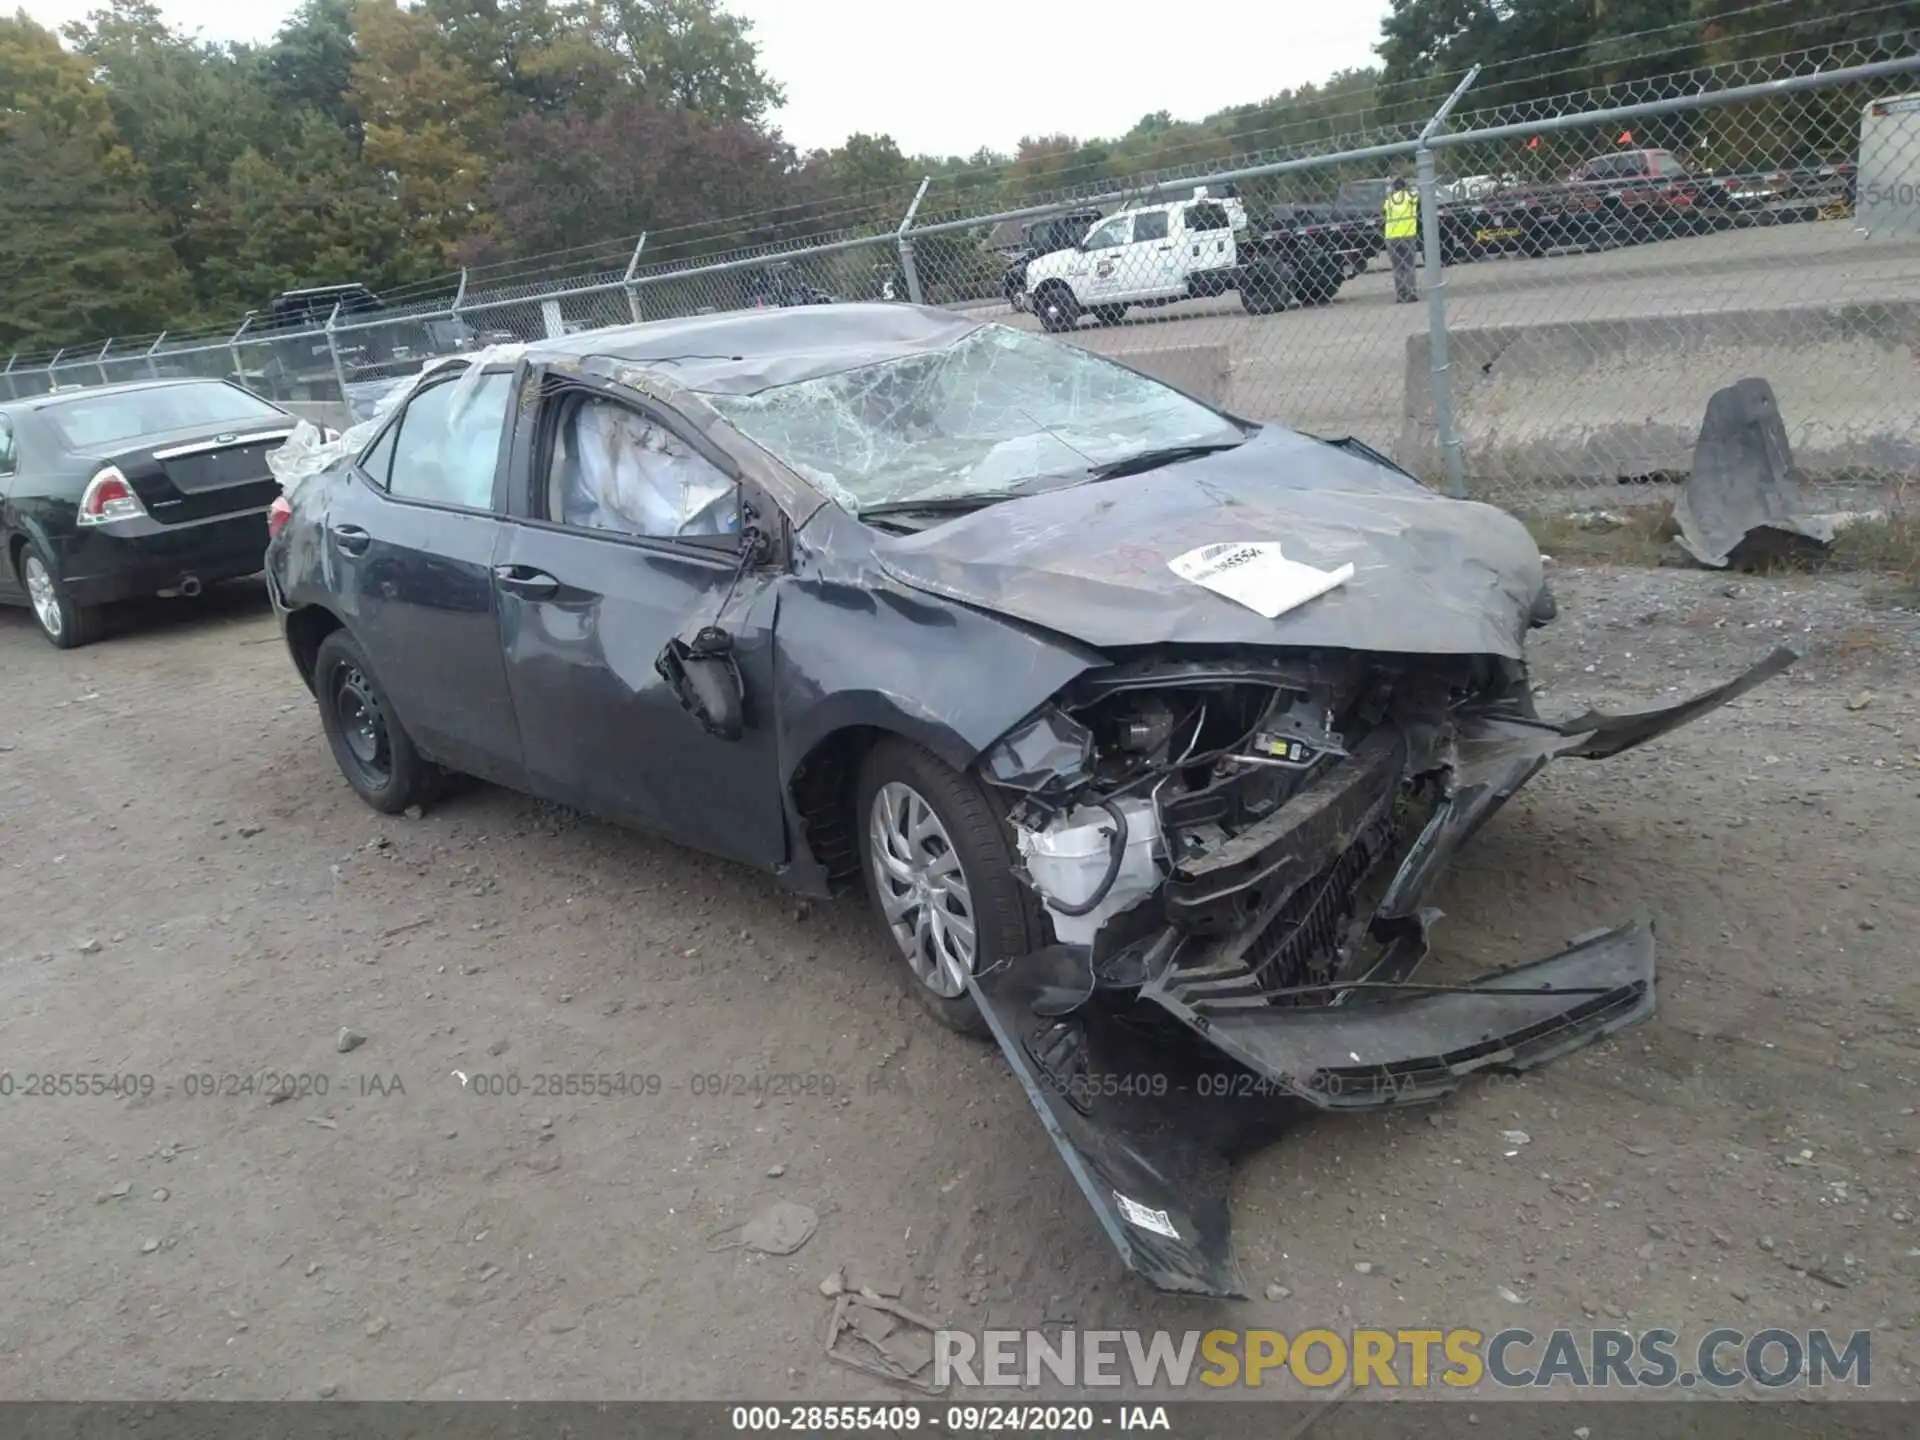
(413, 542)
(625, 534)
(1151, 267)
(1103, 253)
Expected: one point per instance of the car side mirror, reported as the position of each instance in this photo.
(705, 679)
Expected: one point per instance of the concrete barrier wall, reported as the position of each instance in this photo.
(1603, 400)
(323, 413)
(1201, 370)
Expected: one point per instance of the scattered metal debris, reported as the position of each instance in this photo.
(878, 1343)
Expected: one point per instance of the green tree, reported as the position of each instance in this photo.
(186, 110)
(541, 54)
(315, 215)
(427, 121)
(310, 63)
(564, 181)
(689, 53)
(81, 253)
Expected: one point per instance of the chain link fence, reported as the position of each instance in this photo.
(1568, 283)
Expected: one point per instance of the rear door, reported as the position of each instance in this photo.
(625, 534)
(1207, 239)
(412, 545)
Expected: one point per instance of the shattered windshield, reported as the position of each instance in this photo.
(998, 410)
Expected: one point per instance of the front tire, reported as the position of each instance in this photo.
(1262, 292)
(66, 625)
(938, 858)
(371, 747)
(1057, 309)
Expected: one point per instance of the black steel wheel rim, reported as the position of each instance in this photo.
(362, 725)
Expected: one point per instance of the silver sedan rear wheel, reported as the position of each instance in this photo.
(923, 890)
(46, 605)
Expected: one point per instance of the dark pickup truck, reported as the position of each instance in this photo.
(1350, 225)
(1043, 237)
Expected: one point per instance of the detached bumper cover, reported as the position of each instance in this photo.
(1150, 1127)
(1150, 1094)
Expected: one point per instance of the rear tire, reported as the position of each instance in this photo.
(66, 625)
(371, 747)
(1317, 284)
(932, 824)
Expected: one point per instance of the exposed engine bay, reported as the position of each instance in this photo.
(1235, 856)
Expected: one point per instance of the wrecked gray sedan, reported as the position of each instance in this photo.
(1146, 729)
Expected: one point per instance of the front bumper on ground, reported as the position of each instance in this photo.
(125, 559)
(1149, 1124)
(1151, 1084)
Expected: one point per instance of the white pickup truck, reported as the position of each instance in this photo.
(1159, 254)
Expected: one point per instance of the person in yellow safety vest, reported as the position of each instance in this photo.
(1402, 218)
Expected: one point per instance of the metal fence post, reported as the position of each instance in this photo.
(1429, 192)
(627, 281)
(153, 371)
(100, 361)
(53, 369)
(333, 350)
(904, 241)
(12, 356)
(233, 347)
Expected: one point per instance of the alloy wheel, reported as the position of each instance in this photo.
(922, 889)
(46, 604)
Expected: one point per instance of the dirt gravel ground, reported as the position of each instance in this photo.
(188, 891)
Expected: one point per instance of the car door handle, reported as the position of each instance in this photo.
(352, 539)
(527, 584)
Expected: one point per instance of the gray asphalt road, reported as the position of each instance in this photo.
(1342, 369)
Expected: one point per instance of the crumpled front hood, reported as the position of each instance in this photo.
(1431, 575)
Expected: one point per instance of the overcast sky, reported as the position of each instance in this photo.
(980, 72)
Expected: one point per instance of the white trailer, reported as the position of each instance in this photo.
(1887, 198)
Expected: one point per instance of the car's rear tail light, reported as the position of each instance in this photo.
(108, 496)
(278, 514)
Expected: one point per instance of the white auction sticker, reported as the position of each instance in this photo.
(1255, 574)
(1146, 1219)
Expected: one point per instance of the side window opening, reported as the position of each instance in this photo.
(378, 460)
(446, 446)
(6, 447)
(1207, 216)
(612, 468)
(1150, 225)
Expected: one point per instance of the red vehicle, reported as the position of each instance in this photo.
(1648, 194)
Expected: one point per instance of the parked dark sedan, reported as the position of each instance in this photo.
(1001, 631)
(119, 491)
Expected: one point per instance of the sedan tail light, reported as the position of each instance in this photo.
(108, 496)
(278, 514)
